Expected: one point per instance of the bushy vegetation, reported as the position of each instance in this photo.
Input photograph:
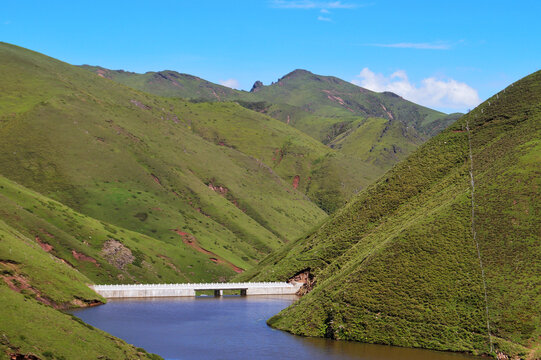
(400, 265)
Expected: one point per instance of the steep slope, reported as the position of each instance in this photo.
(105, 253)
(32, 284)
(443, 252)
(134, 161)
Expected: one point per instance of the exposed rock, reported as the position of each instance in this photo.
(258, 85)
(222, 190)
(117, 254)
(140, 104)
(303, 277)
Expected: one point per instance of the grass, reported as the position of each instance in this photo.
(369, 131)
(138, 162)
(29, 327)
(30, 324)
(398, 265)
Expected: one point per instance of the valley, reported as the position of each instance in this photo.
(408, 226)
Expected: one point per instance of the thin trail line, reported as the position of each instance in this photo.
(474, 234)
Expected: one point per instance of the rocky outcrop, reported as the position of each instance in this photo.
(117, 254)
(258, 85)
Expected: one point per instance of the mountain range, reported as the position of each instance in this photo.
(109, 176)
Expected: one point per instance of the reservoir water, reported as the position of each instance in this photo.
(229, 327)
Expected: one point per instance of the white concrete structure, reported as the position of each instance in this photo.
(176, 290)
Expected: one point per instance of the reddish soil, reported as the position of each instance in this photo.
(288, 119)
(191, 241)
(19, 356)
(222, 190)
(43, 245)
(332, 96)
(19, 283)
(458, 131)
(121, 131)
(83, 257)
(156, 179)
(296, 180)
(278, 156)
(48, 234)
(387, 111)
(102, 73)
(216, 95)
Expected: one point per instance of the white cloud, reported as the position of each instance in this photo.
(322, 18)
(325, 11)
(422, 46)
(230, 83)
(309, 4)
(431, 92)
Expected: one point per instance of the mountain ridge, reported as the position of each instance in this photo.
(403, 262)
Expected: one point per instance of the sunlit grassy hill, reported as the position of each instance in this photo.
(432, 255)
(168, 83)
(369, 131)
(148, 164)
(34, 282)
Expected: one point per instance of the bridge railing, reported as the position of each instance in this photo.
(215, 285)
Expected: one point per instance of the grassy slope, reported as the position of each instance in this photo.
(133, 160)
(399, 265)
(28, 325)
(169, 83)
(328, 109)
(49, 222)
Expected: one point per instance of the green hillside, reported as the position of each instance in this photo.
(443, 251)
(168, 83)
(34, 284)
(368, 131)
(138, 162)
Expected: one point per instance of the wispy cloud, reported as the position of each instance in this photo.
(309, 4)
(7, 22)
(322, 6)
(431, 92)
(230, 83)
(421, 46)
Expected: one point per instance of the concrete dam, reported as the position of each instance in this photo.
(182, 290)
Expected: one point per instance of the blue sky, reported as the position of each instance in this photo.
(447, 55)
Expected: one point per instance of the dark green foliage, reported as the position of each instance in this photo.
(399, 264)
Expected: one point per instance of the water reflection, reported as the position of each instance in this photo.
(230, 327)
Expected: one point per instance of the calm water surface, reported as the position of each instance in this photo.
(230, 327)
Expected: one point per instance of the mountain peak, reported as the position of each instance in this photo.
(295, 73)
(257, 86)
